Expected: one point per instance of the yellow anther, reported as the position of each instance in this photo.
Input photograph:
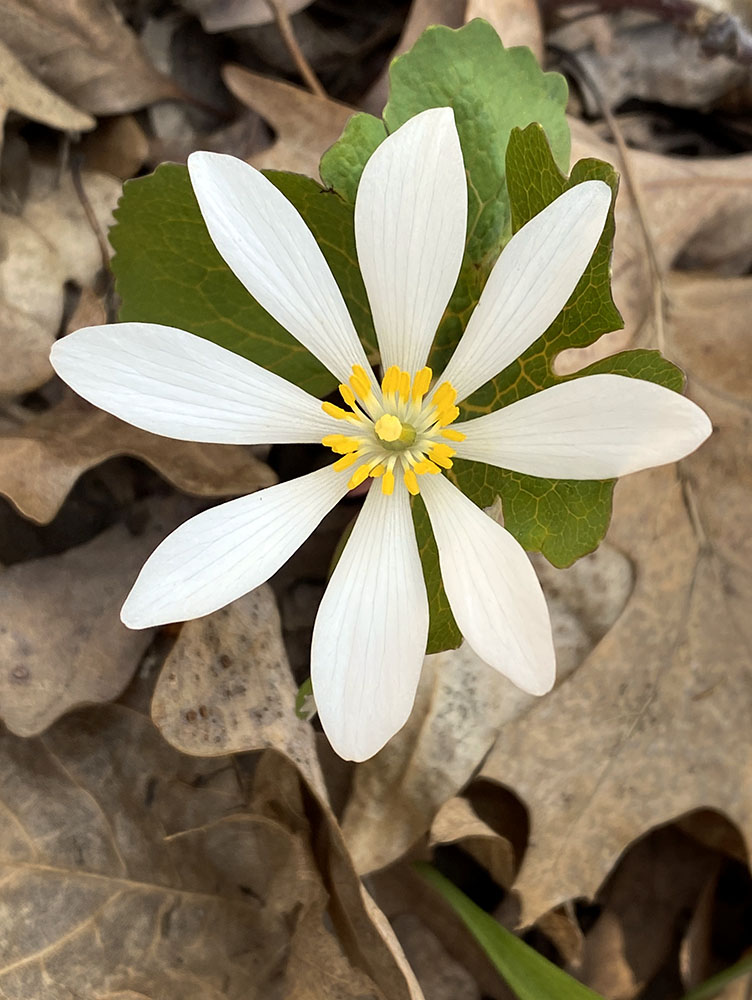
(444, 396)
(453, 435)
(426, 466)
(421, 384)
(376, 471)
(404, 386)
(346, 461)
(411, 481)
(335, 411)
(448, 415)
(443, 449)
(341, 443)
(388, 427)
(359, 476)
(390, 382)
(387, 483)
(443, 460)
(359, 382)
(347, 394)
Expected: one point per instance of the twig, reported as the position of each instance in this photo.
(656, 275)
(104, 250)
(284, 24)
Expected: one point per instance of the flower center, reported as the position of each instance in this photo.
(400, 431)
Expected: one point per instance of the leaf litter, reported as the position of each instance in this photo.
(203, 859)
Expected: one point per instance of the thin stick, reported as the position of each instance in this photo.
(284, 24)
(104, 251)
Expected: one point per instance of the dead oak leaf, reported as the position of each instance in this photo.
(306, 125)
(41, 460)
(654, 723)
(62, 644)
(84, 51)
(131, 870)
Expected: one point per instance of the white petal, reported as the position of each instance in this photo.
(492, 588)
(410, 222)
(594, 427)
(370, 635)
(173, 383)
(225, 552)
(271, 250)
(529, 285)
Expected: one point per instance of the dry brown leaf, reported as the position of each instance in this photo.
(47, 245)
(41, 460)
(21, 91)
(460, 707)
(650, 725)
(84, 51)
(305, 125)
(458, 823)
(441, 977)
(61, 641)
(141, 872)
(645, 903)
(118, 147)
(518, 22)
(226, 687)
(685, 200)
(226, 15)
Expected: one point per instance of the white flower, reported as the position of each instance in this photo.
(410, 224)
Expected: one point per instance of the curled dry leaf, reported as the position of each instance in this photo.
(226, 687)
(61, 641)
(652, 725)
(41, 460)
(50, 243)
(84, 51)
(460, 708)
(458, 823)
(305, 125)
(141, 872)
(21, 91)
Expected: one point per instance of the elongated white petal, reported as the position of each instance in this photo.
(492, 588)
(171, 382)
(371, 630)
(410, 222)
(225, 552)
(595, 427)
(270, 249)
(529, 285)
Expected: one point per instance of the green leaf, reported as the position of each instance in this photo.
(169, 272)
(563, 519)
(492, 90)
(530, 975)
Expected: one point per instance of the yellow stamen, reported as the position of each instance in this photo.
(448, 415)
(346, 461)
(335, 411)
(443, 460)
(444, 396)
(404, 386)
(426, 466)
(360, 382)
(390, 382)
(341, 443)
(411, 481)
(421, 384)
(453, 435)
(388, 427)
(376, 471)
(359, 476)
(443, 449)
(387, 483)
(347, 394)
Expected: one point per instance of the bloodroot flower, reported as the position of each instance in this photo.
(410, 224)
